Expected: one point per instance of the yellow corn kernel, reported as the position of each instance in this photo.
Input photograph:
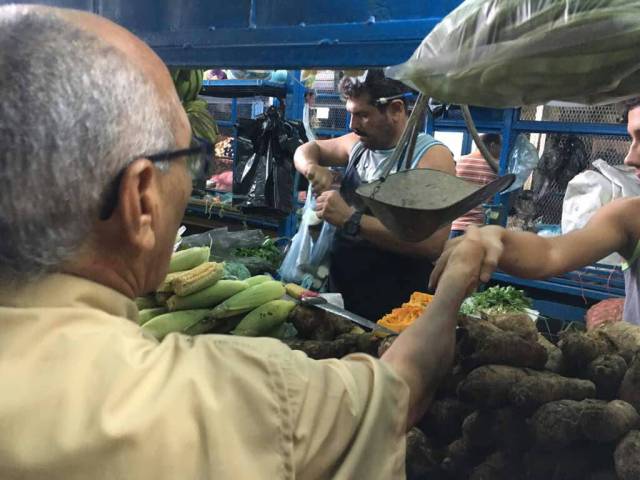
(198, 278)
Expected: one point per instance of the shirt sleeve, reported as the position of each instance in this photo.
(423, 143)
(349, 418)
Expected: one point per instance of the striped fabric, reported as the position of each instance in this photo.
(473, 168)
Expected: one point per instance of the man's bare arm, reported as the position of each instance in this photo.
(424, 352)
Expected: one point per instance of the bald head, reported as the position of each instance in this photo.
(81, 98)
(138, 52)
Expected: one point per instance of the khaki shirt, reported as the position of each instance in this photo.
(84, 394)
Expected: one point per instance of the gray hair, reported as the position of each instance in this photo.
(73, 112)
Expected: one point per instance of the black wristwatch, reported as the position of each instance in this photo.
(352, 226)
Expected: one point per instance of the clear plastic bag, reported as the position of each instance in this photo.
(523, 159)
(509, 53)
(305, 256)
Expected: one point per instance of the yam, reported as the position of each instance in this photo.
(565, 422)
(607, 372)
(421, 462)
(367, 343)
(625, 336)
(518, 323)
(544, 387)
(443, 420)
(318, 349)
(505, 429)
(489, 386)
(627, 456)
(630, 386)
(567, 464)
(482, 346)
(449, 384)
(311, 323)
(608, 422)
(460, 459)
(555, 361)
(556, 425)
(580, 349)
(499, 465)
(385, 343)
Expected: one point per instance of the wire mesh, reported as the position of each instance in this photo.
(221, 108)
(573, 114)
(548, 205)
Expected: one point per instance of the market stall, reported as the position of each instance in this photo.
(535, 392)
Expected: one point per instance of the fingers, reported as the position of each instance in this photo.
(493, 251)
(320, 178)
(439, 268)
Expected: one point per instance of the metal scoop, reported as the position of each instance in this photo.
(414, 203)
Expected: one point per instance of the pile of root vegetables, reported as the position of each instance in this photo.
(516, 406)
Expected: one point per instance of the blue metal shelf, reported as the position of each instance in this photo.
(221, 214)
(243, 88)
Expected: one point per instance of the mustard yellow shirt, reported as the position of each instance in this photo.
(84, 394)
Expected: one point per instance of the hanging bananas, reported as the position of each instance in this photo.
(188, 84)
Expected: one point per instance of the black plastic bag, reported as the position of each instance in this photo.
(264, 179)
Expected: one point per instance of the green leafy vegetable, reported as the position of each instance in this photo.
(496, 300)
(267, 251)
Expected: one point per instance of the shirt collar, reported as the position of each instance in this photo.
(63, 290)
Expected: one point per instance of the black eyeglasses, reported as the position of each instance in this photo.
(199, 162)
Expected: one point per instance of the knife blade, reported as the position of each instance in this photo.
(321, 303)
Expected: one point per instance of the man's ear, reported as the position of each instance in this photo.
(396, 108)
(139, 203)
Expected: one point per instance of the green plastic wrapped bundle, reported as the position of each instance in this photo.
(509, 53)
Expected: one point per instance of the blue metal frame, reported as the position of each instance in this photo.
(292, 93)
(286, 34)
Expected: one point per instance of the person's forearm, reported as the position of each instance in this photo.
(527, 255)
(306, 155)
(373, 230)
(424, 352)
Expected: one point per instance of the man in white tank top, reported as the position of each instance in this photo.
(373, 269)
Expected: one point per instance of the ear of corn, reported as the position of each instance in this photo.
(188, 259)
(294, 290)
(249, 299)
(162, 297)
(202, 276)
(265, 318)
(162, 325)
(148, 301)
(258, 279)
(165, 286)
(214, 325)
(147, 314)
(208, 297)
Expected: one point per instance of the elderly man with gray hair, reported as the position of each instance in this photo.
(96, 168)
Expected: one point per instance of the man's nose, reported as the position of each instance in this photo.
(633, 156)
(354, 124)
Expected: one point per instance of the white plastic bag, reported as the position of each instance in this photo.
(590, 190)
(508, 53)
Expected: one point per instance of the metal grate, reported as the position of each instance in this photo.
(221, 108)
(573, 114)
(612, 149)
(328, 111)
